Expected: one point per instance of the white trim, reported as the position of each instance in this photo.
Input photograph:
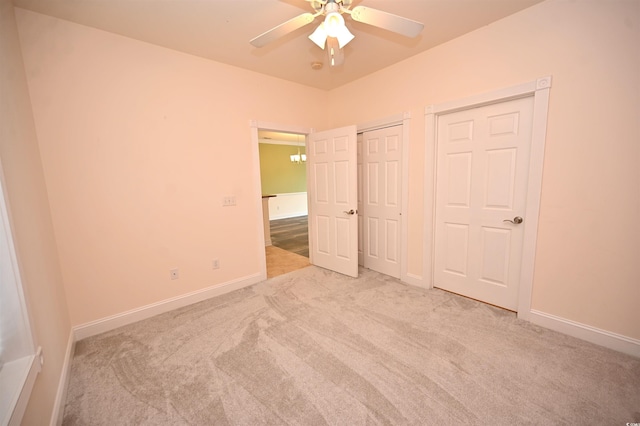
(429, 197)
(495, 96)
(539, 89)
(61, 395)
(20, 374)
(278, 127)
(260, 218)
(413, 279)
(595, 335)
(405, 276)
(277, 142)
(394, 120)
(24, 356)
(534, 194)
(112, 322)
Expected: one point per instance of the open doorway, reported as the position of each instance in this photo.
(283, 179)
(401, 173)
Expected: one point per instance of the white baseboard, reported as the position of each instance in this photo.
(412, 279)
(110, 323)
(595, 335)
(100, 326)
(61, 394)
(19, 376)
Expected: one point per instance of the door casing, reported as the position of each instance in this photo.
(255, 161)
(539, 89)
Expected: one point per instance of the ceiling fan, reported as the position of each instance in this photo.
(332, 31)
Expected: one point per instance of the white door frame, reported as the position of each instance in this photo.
(539, 89)
(257, 184)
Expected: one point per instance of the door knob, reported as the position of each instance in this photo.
(350, 211)
(516, 220)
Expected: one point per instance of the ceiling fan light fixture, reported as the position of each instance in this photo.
(332, 34)
(344, 36)
(319, 36)
(333, 24)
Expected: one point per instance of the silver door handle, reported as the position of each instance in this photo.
(350, 211)
(516, 220)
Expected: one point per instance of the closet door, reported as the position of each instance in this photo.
(380, 199)
(481, 198)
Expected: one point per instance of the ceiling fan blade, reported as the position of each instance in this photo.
(388, 21)
(283, 29)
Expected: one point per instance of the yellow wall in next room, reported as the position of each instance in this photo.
(277, 173)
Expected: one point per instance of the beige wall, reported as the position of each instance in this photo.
(31, 221)
(139, 146)
(589, 236)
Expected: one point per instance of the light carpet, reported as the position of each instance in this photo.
(314, 347)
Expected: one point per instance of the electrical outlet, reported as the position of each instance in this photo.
(229, 201)
(216, 264)
(174, 274)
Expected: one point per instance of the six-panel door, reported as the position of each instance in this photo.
(481, 186)
(332, 212)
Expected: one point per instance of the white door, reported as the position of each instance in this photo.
(379, 180)
(482, 170)
(333, 221)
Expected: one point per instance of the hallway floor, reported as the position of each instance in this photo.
(280, 261)
(290, 249)
(291, 234)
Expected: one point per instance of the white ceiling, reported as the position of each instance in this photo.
(221, 29)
